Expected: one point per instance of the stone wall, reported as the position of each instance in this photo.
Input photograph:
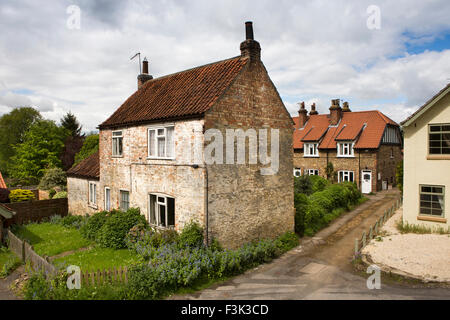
(140, 176)
(243, 204)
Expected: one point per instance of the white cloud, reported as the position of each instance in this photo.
(314, 51)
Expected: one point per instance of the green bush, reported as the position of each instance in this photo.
(53, 177)
(399, 176)
(113, 232)
(301, 203)
(320, 208)
(287, 241)
(60, 195)
(93, 225)
(70, 221)
(318, 183)
(51, 193)
(20, 195)
(303, 185)
(191, 235)
(143, 235)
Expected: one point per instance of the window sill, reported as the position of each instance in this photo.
(438, 157)
(311, 156)
(92, 206)
(432, 219)
(119, 157)
(155, 158)
(345, 156)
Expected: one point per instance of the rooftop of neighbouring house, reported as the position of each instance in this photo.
(2, 182)
(364, 127)
(88, 168)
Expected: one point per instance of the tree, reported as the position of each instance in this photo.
(13, 127)
(399, 176)
(90, 146)
(41, 149)
(53, 177)
(70, 122)
(73, 143)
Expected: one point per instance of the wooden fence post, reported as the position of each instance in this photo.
(363, 240)
(356, 246)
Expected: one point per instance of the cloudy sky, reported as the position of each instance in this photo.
(314, 50)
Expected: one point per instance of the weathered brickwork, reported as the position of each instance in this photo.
(243, 204)
(378, 161)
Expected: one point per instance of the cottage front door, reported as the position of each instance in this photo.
(366, 181)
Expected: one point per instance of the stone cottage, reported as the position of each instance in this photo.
(153, 152)
(364, 147)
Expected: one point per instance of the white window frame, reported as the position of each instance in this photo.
(121, 191)
(158, 136)
(431, 193)
(345, 149)
(115, 143)
(109, 198)
(92, 200)
(441, 141)
(161, 200)
(307, 148)
(313, 172)
(346, 173)
(299, 171)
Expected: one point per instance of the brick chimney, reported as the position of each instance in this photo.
(302, 116)
(144, 76)
(250, 48)
(313, 110)
(335, 112)
(345, 107)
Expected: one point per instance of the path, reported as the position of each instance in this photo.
(5, 292)
(320, 267)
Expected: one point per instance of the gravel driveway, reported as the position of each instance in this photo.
(426, 256)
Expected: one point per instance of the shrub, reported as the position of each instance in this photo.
(303, 185)
(20, 195)
(51, 193)
(53, 177)
(93, 225)
(301, 203)
(318, 183)
(191, 235)
(287, 241)
(399, 176)
(73, 221)
(113, 232)
(60, 195)
(4, 195)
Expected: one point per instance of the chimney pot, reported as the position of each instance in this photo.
(302, 116)
(250, 48)
(345, 107)
(249, 30)
(335, 112)
(313, 110)
(144, 76)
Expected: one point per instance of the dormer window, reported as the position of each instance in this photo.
(345, 149)
(311, 150)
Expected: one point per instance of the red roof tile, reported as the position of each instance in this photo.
(186, 93)
(2, 182)
(350, 126)
(88, 168)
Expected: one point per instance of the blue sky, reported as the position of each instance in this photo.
(313, 51)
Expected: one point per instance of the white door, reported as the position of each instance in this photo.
(366, 181)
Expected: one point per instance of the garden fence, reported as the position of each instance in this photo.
(25, 251)
(99, 277)
(374, 230)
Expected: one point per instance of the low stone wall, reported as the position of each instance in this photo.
(25, 251)
(36, 211)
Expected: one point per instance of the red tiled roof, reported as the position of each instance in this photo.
(2, 182)
(350, 126)
(186, 93)
(88, 168)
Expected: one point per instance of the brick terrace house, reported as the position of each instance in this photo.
(144, 157)
(364, 147)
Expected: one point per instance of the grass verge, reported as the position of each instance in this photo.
(412, 228)
(8, 262)
(51, 239)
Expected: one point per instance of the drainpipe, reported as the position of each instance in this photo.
(206, 207)
(359, 170)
